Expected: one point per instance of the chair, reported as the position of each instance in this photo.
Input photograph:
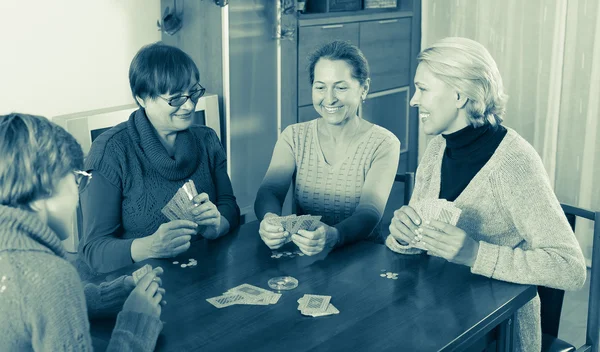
(552, 299)
(409, 183)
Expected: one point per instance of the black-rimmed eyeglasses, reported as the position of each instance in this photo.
(83, 179)
(182, 99)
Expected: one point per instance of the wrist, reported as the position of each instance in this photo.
(333, 236)
(474, 252)
(140, 249)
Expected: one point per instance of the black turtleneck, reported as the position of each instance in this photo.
(467, 150)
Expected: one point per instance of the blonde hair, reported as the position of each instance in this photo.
(468, 67)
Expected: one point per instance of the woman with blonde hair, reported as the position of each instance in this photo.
(511, 227)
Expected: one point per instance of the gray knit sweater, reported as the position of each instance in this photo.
(43, 302)
(511, 209)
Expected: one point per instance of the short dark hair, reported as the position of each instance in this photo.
(35, 154)
(160, 69)
(341, 50)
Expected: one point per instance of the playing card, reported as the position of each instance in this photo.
(168, 211)
(331, 309)
(314, 303)
(257, 295)
(226, 300)
(139, 273)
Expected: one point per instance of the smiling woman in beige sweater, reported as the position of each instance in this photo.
(511, 227)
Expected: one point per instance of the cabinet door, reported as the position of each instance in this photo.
(309, 39)
(386, 45)
(389, 110)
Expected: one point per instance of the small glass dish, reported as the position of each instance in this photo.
(283, 283)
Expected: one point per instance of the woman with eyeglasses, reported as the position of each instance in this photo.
(43, 304)
(140, 164)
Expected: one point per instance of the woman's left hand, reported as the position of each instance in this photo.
(206, 214)
(314, 242)
(448, 242)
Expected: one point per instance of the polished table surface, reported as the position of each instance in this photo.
(433, 305)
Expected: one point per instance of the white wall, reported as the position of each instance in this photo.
(64, 56)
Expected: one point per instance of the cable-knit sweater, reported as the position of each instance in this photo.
(134, 178)
(43, 302)
(350, 195)
(509, 207)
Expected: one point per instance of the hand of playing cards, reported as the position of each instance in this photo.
(179, 207)
(316, 306)
(147, 296)
(245, 294)
(276, 231)
(404, 227)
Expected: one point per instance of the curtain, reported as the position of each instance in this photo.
(548, 53)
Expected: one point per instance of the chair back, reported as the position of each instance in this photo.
(552, 299)
(408, 179)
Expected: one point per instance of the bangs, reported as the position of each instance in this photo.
(174, 75)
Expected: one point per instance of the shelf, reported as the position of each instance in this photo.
(316, 19)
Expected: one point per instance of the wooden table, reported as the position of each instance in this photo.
(432, 306)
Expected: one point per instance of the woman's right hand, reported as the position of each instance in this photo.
(404, 225)
(171, 239)
(273, 236)
(147, 296)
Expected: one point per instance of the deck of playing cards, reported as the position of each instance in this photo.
(293, 223)
(178, 208)
(245, 294)
(437, 209)
(139, 274)
(316, 306)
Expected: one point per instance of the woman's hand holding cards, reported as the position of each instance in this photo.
(405, 224)
(314, 242)
(205, 213)
(447, 241)
(147, 296)
(273, 235)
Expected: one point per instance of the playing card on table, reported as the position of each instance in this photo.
(314, 304)
(258, 295)
(226, 300)
(139, 273)
(304, 302)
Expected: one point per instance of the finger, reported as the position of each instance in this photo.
(177, 224)
(158, 271)
(163, 303)
(436, 247)
(200, 198)
(158, 280)
(425, 233)
(400, 232)
(309, 250)
(180, 249)
(274, 244)
(412, 214)
(152, 288)
(312, 235)
(267, 226)
(161, 290)
(179, 241)
(157, 298)
(442, 226)
(173, 234)
(273, 235)
(145, 281)
(208, 221)
(303, 241)
(406, 220)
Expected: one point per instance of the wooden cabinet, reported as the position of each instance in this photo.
(312, 37)
(386, 45)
